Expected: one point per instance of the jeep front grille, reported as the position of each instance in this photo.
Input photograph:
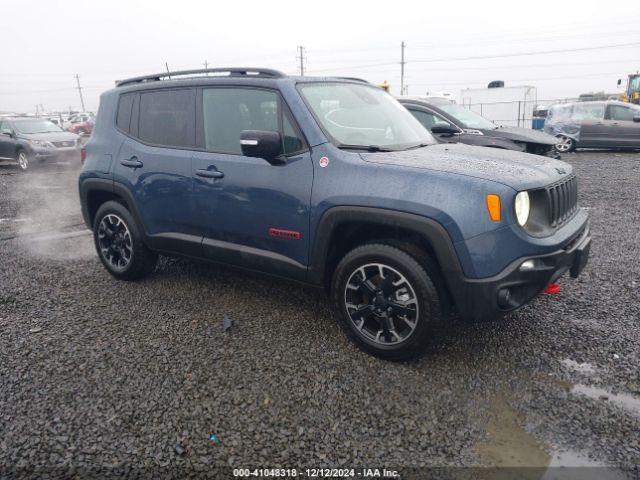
(563, 200)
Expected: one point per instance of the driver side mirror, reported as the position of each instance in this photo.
(263, 144)
(636, 118)
(446, 129)
(7, 132)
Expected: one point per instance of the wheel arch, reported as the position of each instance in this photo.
(96, 191)
(343, 228)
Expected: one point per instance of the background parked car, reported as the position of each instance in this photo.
(609, 124)
(80, 123)
(24, 140)
(449, 122)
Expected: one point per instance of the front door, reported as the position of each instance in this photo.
(623, 130)
(7, 143)
(253, 214)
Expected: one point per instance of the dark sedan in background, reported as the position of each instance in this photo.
(449, 122)
(24, 140)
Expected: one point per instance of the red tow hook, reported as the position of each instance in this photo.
(552, 288)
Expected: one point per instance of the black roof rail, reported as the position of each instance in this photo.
(233, 72)
(355, 79)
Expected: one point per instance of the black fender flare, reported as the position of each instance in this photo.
(90, 185)
(429, 229)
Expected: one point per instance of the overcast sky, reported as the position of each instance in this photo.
(48, 41)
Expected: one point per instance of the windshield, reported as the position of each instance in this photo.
(467, 118)
(36, 126)
(362, 115)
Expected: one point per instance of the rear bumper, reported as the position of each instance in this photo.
(516, 285)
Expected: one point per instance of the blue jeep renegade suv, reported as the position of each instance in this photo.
(331, 182)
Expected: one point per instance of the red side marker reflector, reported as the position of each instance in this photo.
(552, 288)
(285, 234)
(83, 154)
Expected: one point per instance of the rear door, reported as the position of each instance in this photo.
(624, 131)
(252, 213)
(154, 165)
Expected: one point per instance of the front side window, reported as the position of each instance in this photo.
(617, 112)
(362, 115)
(167, 118)
(428, 119)
(227, 112)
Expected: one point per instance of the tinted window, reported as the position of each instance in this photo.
(167, 118)
(617, 112)
(124, 112)
(228, 111)
(427, 119)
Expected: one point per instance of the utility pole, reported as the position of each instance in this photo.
(80, 92)
(206, 66)
(166, 64)
(402, 63)
(301, 57)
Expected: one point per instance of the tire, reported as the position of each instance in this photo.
(565, 144)
(386, 301)
(23, 160)
(119, 244)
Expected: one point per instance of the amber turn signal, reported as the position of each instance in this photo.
(493, 205)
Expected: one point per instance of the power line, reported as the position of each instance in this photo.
(568, 77)
(524, 54)
(484, 57)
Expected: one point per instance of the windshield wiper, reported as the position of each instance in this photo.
(418, 145)
(368, 148)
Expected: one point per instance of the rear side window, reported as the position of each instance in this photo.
(227, 112)
(617, 112)
(167, 118)
(123, 120)
(588, 111)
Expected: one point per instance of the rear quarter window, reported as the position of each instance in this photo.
(123, 118)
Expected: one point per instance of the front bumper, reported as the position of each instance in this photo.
(490, 298)
(57, 155)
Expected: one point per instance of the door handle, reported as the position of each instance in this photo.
(133, 162)
(209, 173)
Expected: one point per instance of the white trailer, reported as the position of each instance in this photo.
(502, 105)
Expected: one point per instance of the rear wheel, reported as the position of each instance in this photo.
(386, 301)
(119, 243)
(565, 144)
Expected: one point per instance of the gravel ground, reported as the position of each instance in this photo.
(104, 377)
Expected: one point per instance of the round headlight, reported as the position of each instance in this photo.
(523, 207)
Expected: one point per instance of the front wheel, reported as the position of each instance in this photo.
(565, 144)
(386, 301)
(119, 244)
(23, 160)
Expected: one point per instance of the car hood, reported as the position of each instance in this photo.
(521, 135)
(518, 170)
(51, 136)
